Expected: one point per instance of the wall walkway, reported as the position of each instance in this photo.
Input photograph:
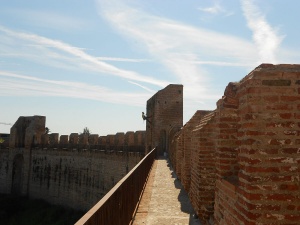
(164, 200)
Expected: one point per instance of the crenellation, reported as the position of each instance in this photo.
(131, 141)
(129, 138)
(53, 139)
(73, 139)
(102, 141)
(139, 138)
(120, 139)
(64, 140)
(93, 139)
(110, 140)
(83, 139)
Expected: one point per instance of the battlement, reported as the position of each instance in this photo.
(127, 142)
(28, 132)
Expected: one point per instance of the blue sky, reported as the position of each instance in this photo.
(96, 63)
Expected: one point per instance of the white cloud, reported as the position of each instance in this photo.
(216, 9)
(177, 45)
(122, 59)
(48, 19)
(264, 35)
(142, 86)
(13, 84)
(65, 53)
(219, 63)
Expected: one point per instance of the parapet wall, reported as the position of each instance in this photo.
(129, 141)
(240, 162)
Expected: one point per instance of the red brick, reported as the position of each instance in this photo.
(291, 207)
(280, 197)
(291, 217)
(252, 169)
(291, 150)
(281, 106)
(297, 115)
(289, 187)
(289, 98)
(278, 178)
(281, 124)
(286, 115)
(280, 141)
(252, 161)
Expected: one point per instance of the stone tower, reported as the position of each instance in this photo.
(165, 112)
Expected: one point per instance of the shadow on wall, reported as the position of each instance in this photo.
(18, 163)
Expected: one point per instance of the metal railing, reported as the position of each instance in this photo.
(118, 206)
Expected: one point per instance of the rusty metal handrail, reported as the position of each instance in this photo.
(118, 206)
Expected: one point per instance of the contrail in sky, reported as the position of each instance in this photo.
(5, 123)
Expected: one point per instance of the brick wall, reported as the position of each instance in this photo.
(269, 159)
(186, 133)
(244, 157)
(179, 155)
(203, 171)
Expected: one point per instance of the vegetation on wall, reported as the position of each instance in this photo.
(86, 131)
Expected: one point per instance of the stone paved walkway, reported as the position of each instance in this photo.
(164, 201)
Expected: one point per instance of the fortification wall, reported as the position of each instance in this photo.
(244, 156)
(73, 170)
(77, 178)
